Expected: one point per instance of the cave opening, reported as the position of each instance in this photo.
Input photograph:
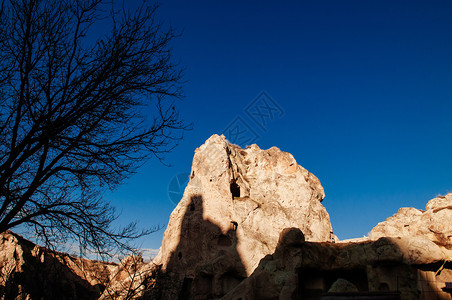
(235, 189)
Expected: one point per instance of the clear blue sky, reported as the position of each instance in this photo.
(366, 89)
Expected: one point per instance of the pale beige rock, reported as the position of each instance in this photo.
(434, 224)
(214, 221)
(273, 241)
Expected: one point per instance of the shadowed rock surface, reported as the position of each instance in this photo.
(29, 271)
(343, 286)
(308, 270)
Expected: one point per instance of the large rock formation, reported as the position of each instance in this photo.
(433, 224)
(231, 214)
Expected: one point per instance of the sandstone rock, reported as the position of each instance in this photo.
(250, 225)
(411, 252)
(308, 269)
(131, 279)
(29, 271)
(433, 224)
(232, 212)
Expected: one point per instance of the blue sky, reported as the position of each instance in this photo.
(365, 88)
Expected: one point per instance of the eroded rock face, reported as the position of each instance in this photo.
(410, 253)
(306, 270)
(29, 271)
(131, 279)
(434, 224)
(232, 212)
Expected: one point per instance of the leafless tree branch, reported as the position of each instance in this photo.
(74, 113)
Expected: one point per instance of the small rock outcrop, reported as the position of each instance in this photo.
(231, 215)
(434, 224)
(132, 279)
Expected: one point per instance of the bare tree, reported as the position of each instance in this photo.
(75, 103)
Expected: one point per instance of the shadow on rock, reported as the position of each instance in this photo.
(389, 268)
(205, 263)
(30, 271)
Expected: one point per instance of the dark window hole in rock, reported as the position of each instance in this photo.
(235, 190)
(186, 288)
(203, 285)
(229, 281)
(234, 225)
(383, 287)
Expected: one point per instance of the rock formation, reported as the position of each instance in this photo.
(388, 268)
(131, 279)
(29, 271)
(232, 212)
(433, 224)
(343, 286)
(409, 256)
(251, 225)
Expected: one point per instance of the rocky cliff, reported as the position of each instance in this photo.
(232, 212)
(30, 271)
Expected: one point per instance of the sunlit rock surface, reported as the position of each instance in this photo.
(233, 210)
(433, 224)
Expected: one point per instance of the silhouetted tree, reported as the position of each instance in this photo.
(80, 109)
